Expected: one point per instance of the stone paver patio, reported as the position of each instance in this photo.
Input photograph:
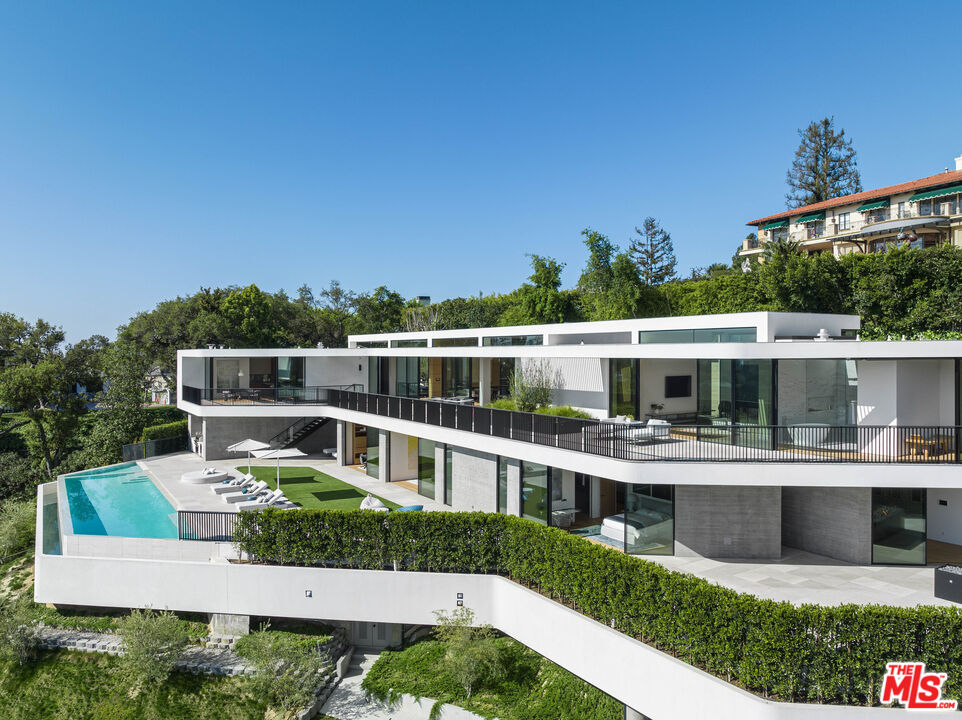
(800, 577)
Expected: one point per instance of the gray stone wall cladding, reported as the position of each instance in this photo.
(223, 431)
(475, 480)
(728, 521)
(831, 521)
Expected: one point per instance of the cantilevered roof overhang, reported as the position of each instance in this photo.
(890, 226)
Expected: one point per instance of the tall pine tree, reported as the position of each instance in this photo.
(824, 166)
(653, 253)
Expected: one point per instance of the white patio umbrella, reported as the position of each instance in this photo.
(278, 454)
(248, 446)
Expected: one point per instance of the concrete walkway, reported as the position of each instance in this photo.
(800, 577)
(348, 701)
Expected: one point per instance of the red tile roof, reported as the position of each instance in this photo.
(943, 178)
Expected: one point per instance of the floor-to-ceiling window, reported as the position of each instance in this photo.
(501, 371)
(816, 402)
(412, 377)
(426, 468)
(456, 377)
(373, 451)
(502, 484)
(535, 492)
(448, 475)
(650, 519)
(734, 398)
(378, 375)
(898, 526)
(290, 378)
(623, 386)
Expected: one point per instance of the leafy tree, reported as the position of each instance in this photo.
(653, 253)
(18, 520)
(472, 657)
(152, 642)
(248, 317)
(335, 314)
(39, 380)
(287, 669)
(379, 312)
(824, 166)
(18, 476)
(18, 633)
(532, 384)
(542, 300)
(121, 415)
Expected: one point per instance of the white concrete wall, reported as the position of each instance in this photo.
(877, 396)
(645, 679)
(652, 390)
(944, 522)
(335, 371)
(585, 383)
(919, 401)
(404, 457)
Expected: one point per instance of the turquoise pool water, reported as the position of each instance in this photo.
(119, 500)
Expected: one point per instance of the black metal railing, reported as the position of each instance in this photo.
(153, 448)
(205, 525)
(717, 440)
(309, 395)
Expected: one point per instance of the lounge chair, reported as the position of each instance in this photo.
(248, 493)
(653, 430)
(410, 508)
(273, 499)
(235, 485)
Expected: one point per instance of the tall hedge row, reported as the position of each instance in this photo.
(807, 653)
(166, 430)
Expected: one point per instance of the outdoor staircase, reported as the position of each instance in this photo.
(296, 432)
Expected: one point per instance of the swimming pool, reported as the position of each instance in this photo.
(120, 500)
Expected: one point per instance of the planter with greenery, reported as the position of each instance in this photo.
(805, 653)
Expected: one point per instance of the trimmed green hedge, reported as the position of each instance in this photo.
(167, 430)
(807, 653)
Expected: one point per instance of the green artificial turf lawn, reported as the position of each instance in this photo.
(82, 686)
(312, 489)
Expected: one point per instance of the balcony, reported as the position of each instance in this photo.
(264, 396)
(716, 440)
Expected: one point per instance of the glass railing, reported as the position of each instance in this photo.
(718, 441)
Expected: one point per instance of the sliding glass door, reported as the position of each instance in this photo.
(623, 387)
(898, 526)
(736, 402)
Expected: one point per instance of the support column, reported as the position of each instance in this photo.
(514, 487)
(484, 385)
(384, 455)
(224, 624)
(345, 442)
(631, 714)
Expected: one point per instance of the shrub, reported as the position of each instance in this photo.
(503, 404)
(532, 384)
(152, 643)
(806, 653)
(18, 633)
(18, 520)
(287, 667)
(167, 430)
(472, 657)
(564, 411)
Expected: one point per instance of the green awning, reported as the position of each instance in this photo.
(874, 205)
(811, 217)
(941, 192)
(776, 224)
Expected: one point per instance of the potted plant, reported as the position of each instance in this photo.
(948, 583)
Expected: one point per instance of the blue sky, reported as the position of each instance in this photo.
(148, 149)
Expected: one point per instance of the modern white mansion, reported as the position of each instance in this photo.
(751, 431)
(720, 436)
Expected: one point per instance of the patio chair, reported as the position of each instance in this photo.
(372, 503)
(247, 493)
(265, 500)
(233, 485)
